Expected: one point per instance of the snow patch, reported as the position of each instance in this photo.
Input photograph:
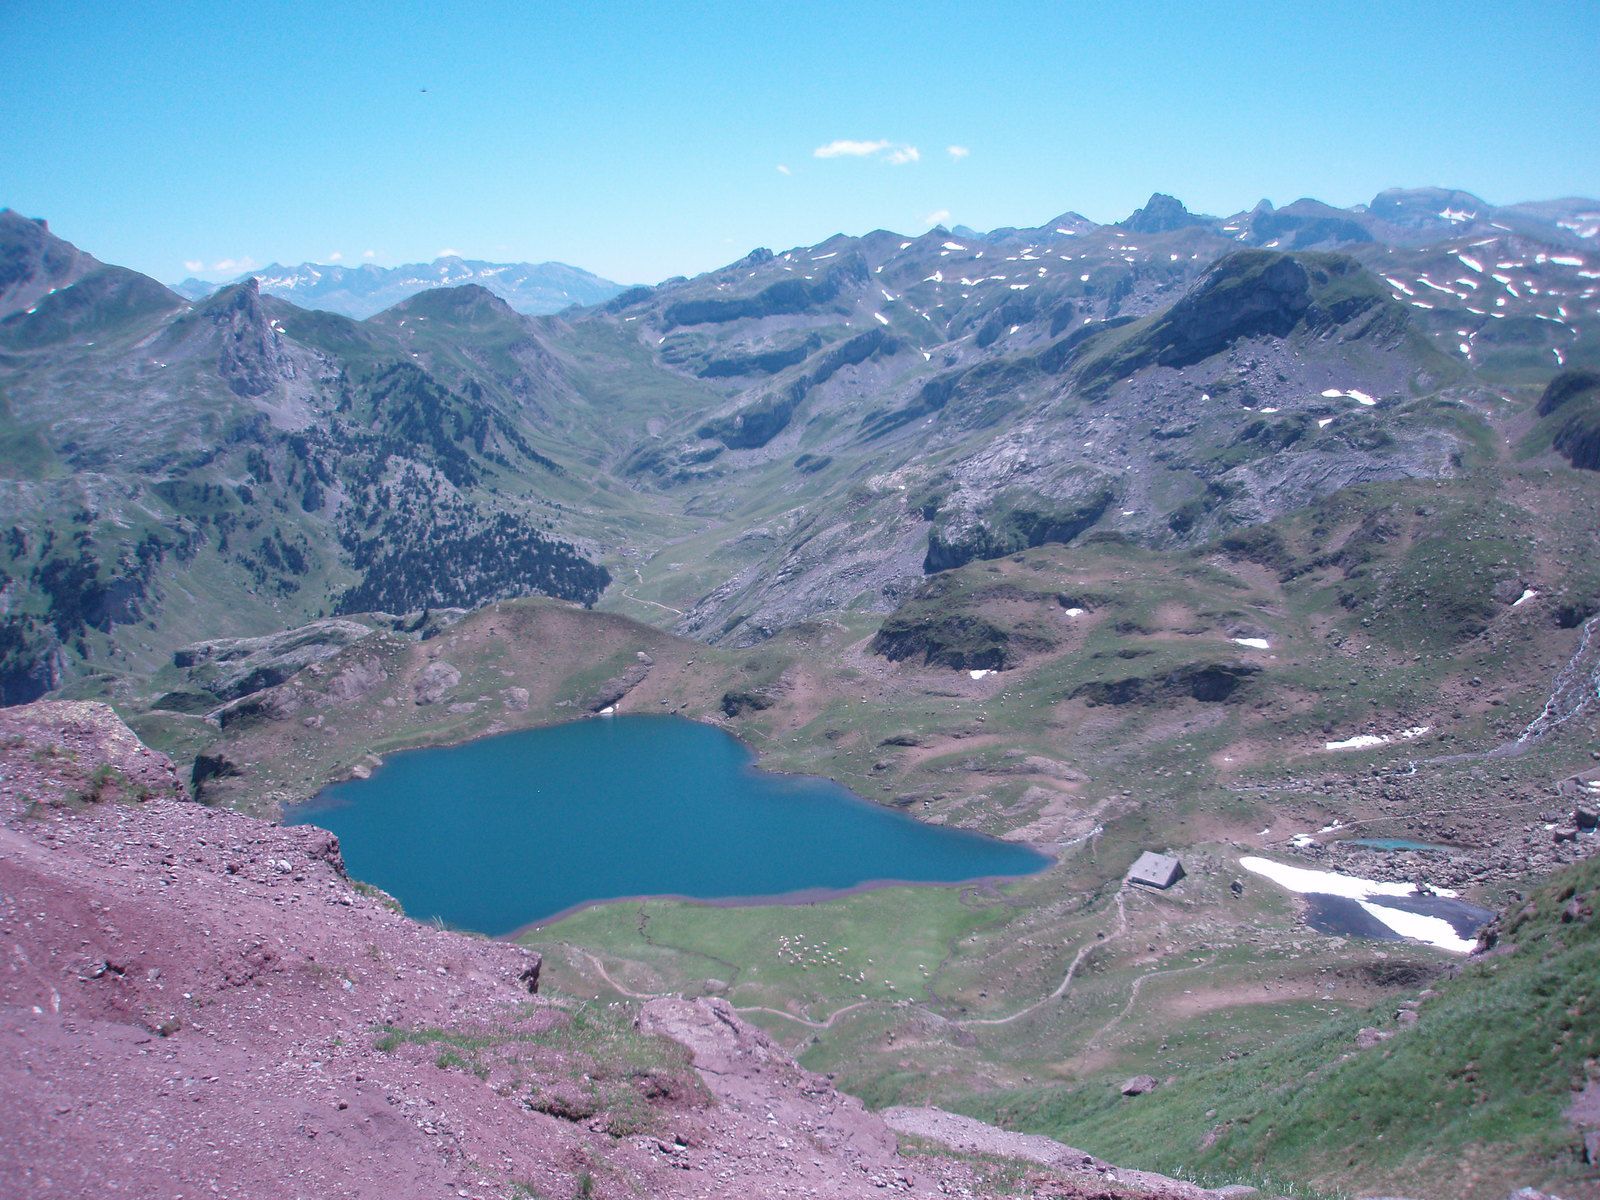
(1253, 643)
(1303, 881)
(980, 674)
(1527, 594)
(1331, 883)
(1365, 741)
(1361, 741)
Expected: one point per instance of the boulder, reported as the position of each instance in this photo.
(357, 679)
(434, 681)
(1139, 1085)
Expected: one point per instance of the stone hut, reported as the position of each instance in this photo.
(1156, 870)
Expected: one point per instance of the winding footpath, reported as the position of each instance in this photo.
(968, 1022)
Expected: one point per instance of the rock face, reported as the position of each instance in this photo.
(227, 668)
(1572, 401)
(215, 985)
(609, 693)
(252, 358)
(433, 681)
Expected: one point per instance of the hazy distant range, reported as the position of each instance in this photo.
(364, 290)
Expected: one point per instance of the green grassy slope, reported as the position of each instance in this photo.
(1467, 1102)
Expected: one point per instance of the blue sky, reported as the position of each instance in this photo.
(641, 141)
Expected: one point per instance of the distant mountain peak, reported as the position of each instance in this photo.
(1161, 214)
(34, 262)
(1420, 207)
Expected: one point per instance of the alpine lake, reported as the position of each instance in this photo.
(508, 831)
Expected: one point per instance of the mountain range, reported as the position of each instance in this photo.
(363, 290)
(816, 430)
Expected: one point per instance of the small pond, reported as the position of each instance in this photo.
(510, 830)
(1399, 844)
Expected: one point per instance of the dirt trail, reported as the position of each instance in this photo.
(828, 1022)
(600, 969)
(1133, 996)
(1066, 980)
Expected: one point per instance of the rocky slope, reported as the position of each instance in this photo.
(197, 1002)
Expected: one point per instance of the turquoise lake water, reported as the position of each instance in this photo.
(496, 834)
(1400, 844)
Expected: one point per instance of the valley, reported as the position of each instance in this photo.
(1264, 535)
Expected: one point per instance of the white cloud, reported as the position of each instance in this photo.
(937, 217)
(957, 151)
(192, 265)
(369, 254)
(448, 252)
(783, 170)
(891, 152)
(845, 148)
(234, 264)
(336, 256)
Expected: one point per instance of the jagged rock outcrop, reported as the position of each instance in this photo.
(1160, 214)
(225, 669)
(251, 358)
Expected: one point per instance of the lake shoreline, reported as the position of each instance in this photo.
(450, 740)
(795, 899)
